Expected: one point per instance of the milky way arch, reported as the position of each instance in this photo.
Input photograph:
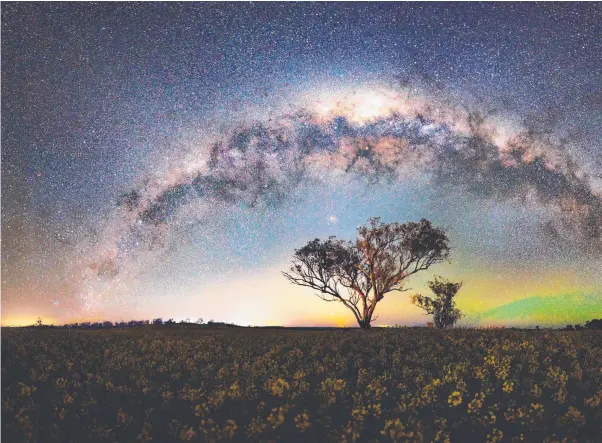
(374, 134)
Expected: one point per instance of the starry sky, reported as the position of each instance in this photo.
(165, 159)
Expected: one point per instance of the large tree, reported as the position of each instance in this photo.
(359, 273)
(441, 306)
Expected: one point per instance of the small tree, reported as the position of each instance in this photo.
(359, 273)
(442, 305)
(39, 322)
(594, 324)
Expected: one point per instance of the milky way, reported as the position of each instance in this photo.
(140, 175)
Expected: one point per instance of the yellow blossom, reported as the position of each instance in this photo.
(455, 398)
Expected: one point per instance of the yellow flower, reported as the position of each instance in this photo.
(187, 434)
(121, 416)
(230, 429)
(536, 391)
(495, 436)
(26, 391)
(358, 414)
(476, 403)
(339, 385)
(508, 386)
(490, 360)
(593, 402)
(536, 406)
(201, 410)
(396, 431)
(234, 391)
(573, 417)
(276, 418)
(255, 428)
(279, 387)
(302, 421)
(455, 398)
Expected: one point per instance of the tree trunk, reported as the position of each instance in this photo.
(364, 323)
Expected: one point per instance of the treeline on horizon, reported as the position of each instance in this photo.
(590, 324)
(132, 324)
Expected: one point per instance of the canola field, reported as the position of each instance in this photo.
(389, 385)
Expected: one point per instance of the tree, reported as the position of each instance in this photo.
(594, 324)
(442, 305)
(359, 273)
(39, 322)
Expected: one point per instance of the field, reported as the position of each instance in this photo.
(406, 384)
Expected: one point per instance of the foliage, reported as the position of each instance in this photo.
(360, 273)
(401, 384)
(594, 324)
(442, 305)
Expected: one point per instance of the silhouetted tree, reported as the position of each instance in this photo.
(442, 305)
(39, 322)
(594, 324)
(359, 273)
(158, 321)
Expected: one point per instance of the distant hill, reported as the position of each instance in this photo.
(550, 310)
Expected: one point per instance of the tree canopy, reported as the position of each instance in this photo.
(359, 273)
(442, 305)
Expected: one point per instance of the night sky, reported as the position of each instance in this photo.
(165, 159)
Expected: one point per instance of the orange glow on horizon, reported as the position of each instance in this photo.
(28, 320)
